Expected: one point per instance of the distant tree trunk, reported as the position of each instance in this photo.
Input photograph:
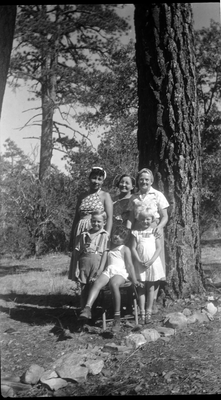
(48, 98)
(48, 101)
(168, 135)
(7, 26)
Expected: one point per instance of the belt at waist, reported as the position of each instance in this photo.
(85, 216)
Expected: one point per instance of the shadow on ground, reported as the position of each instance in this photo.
(61, 310)
(16, 269)
(211, 242)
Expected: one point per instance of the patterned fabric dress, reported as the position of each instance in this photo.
(90, 203)
(120, 211)
(146, 247)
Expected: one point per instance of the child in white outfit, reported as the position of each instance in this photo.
(145, 249)
(119, 269)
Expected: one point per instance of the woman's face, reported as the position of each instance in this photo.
(96, 181)
(125, 185)
(144, 182)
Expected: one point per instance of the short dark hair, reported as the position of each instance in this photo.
(122, 231)
(129, 176)
(98, 171)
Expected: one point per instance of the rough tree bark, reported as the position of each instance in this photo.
(7, 26)
(48, 97)
(168, 135)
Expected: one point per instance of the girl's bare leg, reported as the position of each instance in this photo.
(84, 294)
(142, 298)
(100, 282)
(115, 284)
(156, 291)
(150, 296)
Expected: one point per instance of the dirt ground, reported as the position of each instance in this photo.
(38, 329)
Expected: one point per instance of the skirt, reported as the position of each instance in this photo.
(83, 224)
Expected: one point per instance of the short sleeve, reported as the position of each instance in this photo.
(104, 242)
(162, 201)
(134, 233)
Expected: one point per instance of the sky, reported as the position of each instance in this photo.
(15, 103)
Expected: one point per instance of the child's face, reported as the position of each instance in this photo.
(125, 185)
(145, 220)
(117, 239)
(97, 222)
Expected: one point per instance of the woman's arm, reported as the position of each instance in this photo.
(130, 208)
(163, 221)
(75, 221)
(108, 206)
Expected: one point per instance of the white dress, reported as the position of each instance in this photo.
(116, 264)
(146, 247)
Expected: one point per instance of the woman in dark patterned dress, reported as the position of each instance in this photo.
(125, 184)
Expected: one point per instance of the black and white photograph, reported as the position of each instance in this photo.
(110, 217)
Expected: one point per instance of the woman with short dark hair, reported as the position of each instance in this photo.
(125, 183)
(94, 199)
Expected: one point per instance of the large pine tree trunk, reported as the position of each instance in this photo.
(168, 135)
(7, 26)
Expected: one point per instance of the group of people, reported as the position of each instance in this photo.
(113, 241)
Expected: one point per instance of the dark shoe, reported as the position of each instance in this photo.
(85, 313)
(148, 319)
(116, 325)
